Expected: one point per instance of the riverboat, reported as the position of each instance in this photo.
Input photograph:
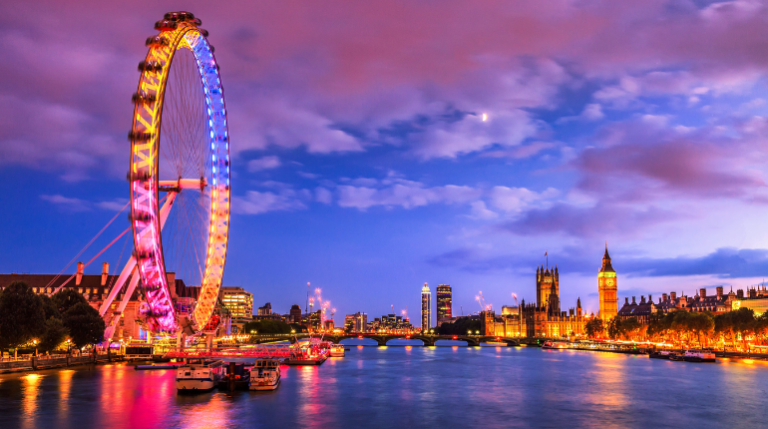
(676, 357)
(308, 353)
(265, 375)
(663, 354)
(199, 374)
(337, 350)
(699, 356)
(554, 345)
(235, 376)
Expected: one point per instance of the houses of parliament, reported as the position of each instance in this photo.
(545, 318)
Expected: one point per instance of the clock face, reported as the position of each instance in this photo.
(609, 282)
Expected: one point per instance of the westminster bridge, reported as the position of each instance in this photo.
(382, 338)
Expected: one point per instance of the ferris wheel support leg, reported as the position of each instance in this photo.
(119, 312)
(130, 268)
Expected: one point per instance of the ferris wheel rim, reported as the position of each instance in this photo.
(145, 137)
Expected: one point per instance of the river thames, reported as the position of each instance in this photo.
(409, 387)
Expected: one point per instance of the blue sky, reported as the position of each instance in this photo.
(363, 162)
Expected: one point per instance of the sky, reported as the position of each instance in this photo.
(380, 145)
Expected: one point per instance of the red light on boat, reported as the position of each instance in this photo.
(455, 337)
(360, 337)
(407, 337)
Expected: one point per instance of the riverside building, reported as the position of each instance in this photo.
(426, 308)
(96, 287)
(239, 302)
(444, 302)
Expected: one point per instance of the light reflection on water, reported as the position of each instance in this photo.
(407, 386)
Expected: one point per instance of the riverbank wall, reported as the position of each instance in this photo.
(49, 362)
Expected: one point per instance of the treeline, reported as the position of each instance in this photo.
(461, 326)
(686, 327)
(271, 327)
(32, 321)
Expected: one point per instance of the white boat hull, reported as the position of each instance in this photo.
(264, 384)
(195, 385)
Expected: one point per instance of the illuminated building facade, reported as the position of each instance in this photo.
(356, 323)
(541, 319)
(239, 302)
(444, 302)
(548, 289)
(426, 308)
(607, 289)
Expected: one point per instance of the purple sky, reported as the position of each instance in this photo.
(361, 161)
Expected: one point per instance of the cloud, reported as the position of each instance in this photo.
(516, 199)
(647, 159)
(723, 263)
(323, 195)
(256, 202)
(79, 205)
(406, 195)
(596, 221)
(67, 203)
(264, 163)
(472, 134)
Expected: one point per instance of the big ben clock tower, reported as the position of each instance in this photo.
(606, 286)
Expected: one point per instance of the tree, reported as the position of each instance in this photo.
(614, 328)
(460, 327)
(22, 317)
(701, 324)
(66, 299)
(267, 327)
(630, 327)
(55, 334)
(743, 321)
(595, 328)
(49, 306)
(85, 325)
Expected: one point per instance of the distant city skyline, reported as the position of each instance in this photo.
(366, 161)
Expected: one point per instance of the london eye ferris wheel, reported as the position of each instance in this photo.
(179, 171)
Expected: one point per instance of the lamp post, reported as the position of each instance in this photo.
(35, 341)
(69, 346)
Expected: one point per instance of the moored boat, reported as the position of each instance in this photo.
(265, 375)
(699, 356)
(199, 374)
(553, 345)
(238, 378)
(337, 350)
(663, 354)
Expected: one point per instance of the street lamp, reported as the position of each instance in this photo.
(477, 332)
(469, 332)
(35, 342)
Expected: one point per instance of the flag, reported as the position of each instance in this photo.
(545, 253)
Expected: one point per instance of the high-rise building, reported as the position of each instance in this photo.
(607, 288)
(357, 322)
(444, 312)
(426, 308)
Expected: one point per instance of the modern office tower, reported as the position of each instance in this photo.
(607, 288)
(239, 302)
(426, 308)
(356, 323)
(444, 312)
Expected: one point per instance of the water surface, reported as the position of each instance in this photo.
(409, 387)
